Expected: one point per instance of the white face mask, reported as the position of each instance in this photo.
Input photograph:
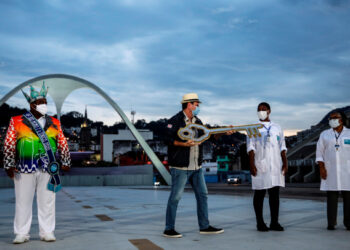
(262, 115)
(41, 108)
(333, 123)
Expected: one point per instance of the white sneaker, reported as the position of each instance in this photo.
(20, 238)
(49, 237)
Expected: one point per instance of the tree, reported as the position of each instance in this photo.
(7, 112)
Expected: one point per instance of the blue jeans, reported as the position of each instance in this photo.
(179, 179)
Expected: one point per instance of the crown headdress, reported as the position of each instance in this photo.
(36, 95)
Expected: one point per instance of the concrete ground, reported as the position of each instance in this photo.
(124, 218)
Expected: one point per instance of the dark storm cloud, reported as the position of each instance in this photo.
(146, 54)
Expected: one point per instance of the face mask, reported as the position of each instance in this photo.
(41, 108)
(333, 123)
(196, 111)
(262, 115)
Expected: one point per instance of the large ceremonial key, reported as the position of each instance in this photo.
(188, 132)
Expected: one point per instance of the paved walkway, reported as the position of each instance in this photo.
(106, 218)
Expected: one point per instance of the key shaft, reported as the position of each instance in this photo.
(188, 132)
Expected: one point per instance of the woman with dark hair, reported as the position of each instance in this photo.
(268, 165)
(333, 158)
(343, 118)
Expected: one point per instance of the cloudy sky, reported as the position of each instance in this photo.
(146, 54)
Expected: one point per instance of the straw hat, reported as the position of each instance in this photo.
(190, 97)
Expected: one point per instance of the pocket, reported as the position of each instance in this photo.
(261, 166)
(346, 142)
(277, 167)
(327, 165)
(278, 138)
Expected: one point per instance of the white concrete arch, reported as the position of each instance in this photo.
(61, 85)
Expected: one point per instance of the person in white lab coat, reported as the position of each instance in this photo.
(268, 165)
(333, 158)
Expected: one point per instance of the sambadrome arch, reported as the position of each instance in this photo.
(61, 85)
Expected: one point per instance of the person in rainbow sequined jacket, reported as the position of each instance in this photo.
(26, 162)
(22, 143)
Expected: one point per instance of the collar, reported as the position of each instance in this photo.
(42, 118)
(187, 120)
(334, 131)
(48, 122)
(266, 123)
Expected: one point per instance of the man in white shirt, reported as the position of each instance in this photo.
(268, 165)
(333, 158)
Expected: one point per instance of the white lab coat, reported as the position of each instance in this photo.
(336, 162)
(268, 160)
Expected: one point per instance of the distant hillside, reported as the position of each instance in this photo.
(75, 119)
(346, 110)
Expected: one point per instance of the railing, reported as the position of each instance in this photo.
(301, 162)
(305, 170)
(307, 140)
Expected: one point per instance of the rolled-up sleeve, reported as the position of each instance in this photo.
(250, 144)
(282, 142)
(320, 149)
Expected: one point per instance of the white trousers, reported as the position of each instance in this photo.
(25, 187)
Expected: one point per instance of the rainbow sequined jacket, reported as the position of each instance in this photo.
(23, 149)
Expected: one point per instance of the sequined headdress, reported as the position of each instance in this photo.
(36, 95)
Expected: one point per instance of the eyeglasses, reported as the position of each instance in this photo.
(334, 117)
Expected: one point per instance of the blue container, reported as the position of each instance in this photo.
(211, 178)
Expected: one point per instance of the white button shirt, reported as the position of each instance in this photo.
(268, 160)
(42, 121)
(337, 162)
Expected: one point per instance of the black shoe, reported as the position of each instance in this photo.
(211, 230)
(171, 234)
(276, 227)
(262, 227)
(330, 228)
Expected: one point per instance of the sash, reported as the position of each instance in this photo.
(53, 167)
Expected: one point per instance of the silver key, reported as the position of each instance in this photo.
(188, 132)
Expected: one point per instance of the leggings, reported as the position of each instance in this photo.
(274, 201)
